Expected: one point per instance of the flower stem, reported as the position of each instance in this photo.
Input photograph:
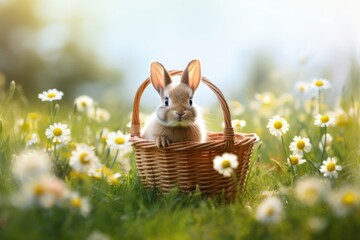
(311, 163)
(324, 146)
(116, 155)
(291, 166)
(319, 100)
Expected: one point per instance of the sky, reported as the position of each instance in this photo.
(225, 35)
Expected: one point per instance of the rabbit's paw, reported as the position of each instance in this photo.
(161, 141)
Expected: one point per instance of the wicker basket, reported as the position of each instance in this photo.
(189, 165)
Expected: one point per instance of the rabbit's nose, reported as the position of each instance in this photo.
(180, 114)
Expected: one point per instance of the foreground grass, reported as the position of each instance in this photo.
(123, 209)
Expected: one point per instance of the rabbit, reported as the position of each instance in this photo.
(176, 119)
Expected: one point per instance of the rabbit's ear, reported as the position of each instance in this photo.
(192, 74)
(159, 77)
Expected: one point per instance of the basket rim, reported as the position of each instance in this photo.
(246, 138)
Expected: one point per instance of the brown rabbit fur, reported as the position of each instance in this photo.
(176, 119)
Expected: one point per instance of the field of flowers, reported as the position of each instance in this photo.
(69, 173)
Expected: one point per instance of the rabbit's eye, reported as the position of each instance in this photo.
(166, 101)
(190, 102)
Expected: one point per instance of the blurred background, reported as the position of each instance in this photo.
(103, 49)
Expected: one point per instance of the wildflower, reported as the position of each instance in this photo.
(278, 126)
(59, 132)
(104, 172)
(100, 115)
(236, 107)
(238, 124)
(344, 201)
(31, 164)
(310, 190)
(329, 139)
(118, 140)
(270, 210)
(31, 140)
(341, 118)
(79, 203)
(330, 168)
(320, 83)
(225, 164)
(46, 191)
(324, 120)
(51, 95)
(302, 87)
(83, 159)
(295, 159)
(300, 145)
(84, 103)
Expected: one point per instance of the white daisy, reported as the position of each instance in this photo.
(330, 168)
(32, 139)
(329, 139)
(238, 124)
(100, 115)
(295, 159)
(278, 126)
(31, 164)
(84, 103)
(118, 140)
(225, 164)
(270, 210)
(83, 159)
(302, 87)
(320, 83)
(51, 95)
(344, 201)
(79, 203)
(310, 190)
(59, 132)
(300, 145)
(324, 120)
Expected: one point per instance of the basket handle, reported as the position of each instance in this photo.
(228, 129)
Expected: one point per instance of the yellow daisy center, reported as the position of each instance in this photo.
(75, 202)
(119, 140)
(302, 88)
(319, 83)
(294, 160)
(38, 190)
(270, 212)
(278, 124)
(33, 115)
(349, 198)
(225, 163)
(300, 144)
(84, 158)
(330, 167)
(57, 132)
(324, 119)
(83, 104)
(51, 95)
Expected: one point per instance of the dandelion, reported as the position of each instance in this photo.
(118, 140)
(330, 168)
(300, 145)
(295, 160)
(83, 159)
(320, 83)
(325, 139)
(50, 95)
(278, 126)
(84, 103)
(31, 164)
(79, 203)
(59, 132)
(324, 120)
(344, 201)
(225, 164)
(310, 190)
(270, 210)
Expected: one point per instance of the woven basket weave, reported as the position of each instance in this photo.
(189, 165)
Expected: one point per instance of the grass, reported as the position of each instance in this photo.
(125, 210)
